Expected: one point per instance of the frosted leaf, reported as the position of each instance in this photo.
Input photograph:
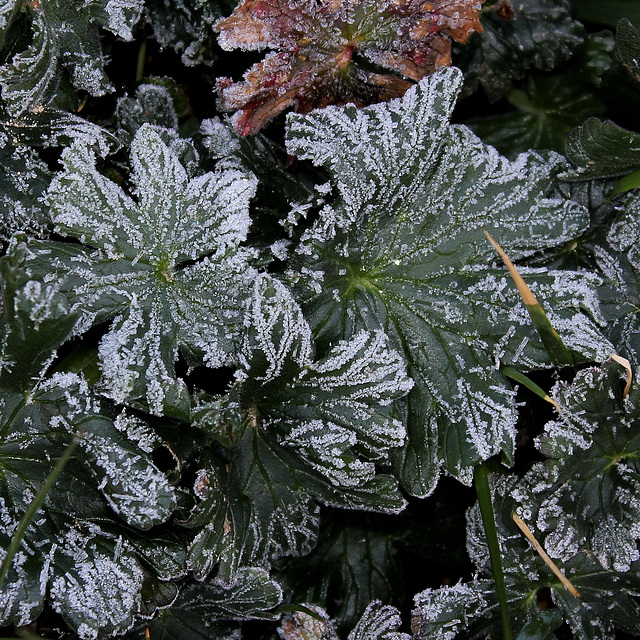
(65, 36)
(277, 341)
(619, 260)
(187, 27)
(123, 16)
(250, 598)
(403, 250)
(96, 578)
(554, 511)
(353, 387)
(327, 448)
(540, 35)
(165, 268)
(440, 614)
(97, 587)
(44, 127)
(133, 486)
(378, 622)
(23, 180)
(593, 449)
(257, 512)
(152, 104)
(336, 52)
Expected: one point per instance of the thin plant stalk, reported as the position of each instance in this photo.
(33, 508)
(481, 482)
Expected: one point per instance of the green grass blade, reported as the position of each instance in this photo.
(630, 181)
(33, 509)
(558, 352)
(481, 482)
(516, 375)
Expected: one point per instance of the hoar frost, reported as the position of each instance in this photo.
(166, 268)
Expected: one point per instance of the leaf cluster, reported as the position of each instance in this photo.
(246, 380)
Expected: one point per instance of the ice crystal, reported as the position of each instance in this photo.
(323, 51)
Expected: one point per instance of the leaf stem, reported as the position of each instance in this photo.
(481, 482)
(31, 511)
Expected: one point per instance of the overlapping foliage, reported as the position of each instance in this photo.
(268, 360)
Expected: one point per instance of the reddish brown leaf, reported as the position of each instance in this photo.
(336, 51)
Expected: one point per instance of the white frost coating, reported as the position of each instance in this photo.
(138, 272)
(366, 365)
(132, 485)
(440, 614)
(277, 332)
(102, 593)
(326, 447)
(378, 622)
(137, 431)
(123, 16)
(218, 138)
(351, 388)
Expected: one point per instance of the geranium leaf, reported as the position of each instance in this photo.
(65, 34)
(23, 180)
(606, 594)
(628, 47)
(618, 259)
(594, 447)
(549, 108)
(166, 268)
(378, 622)
(402, 250)
(187, 27)
(353, 564)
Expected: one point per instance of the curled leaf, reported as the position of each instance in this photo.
(334, 52)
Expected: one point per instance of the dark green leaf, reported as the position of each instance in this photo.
(56, 128)
(595, 449)
(618, 259)
(602, 149)
(352, 565)
(23, 180)
(187, 27)
(549, 108)
(166, 269)
(65, 35)
(403, 250)
(541, 626)
(628, 47)
(541, 35)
